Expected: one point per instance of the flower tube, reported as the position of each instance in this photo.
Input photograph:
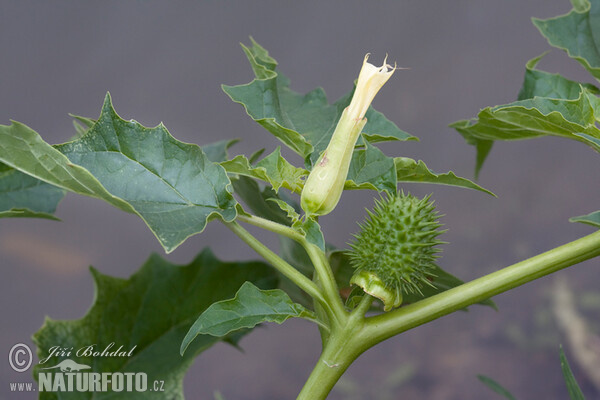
(324, 185)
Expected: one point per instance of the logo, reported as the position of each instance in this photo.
(69, 375)
(20, 357)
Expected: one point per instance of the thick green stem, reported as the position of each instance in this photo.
(386, 325)
(358, 334)
(286, 269)
(342, 348)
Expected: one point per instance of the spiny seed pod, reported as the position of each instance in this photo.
(394, 252)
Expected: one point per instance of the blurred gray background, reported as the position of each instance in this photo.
(165, 61)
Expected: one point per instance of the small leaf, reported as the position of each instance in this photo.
(81, 125)
(409, 170)
(85, 121)
(152, 310)
(250, 307)
(576, 33)
(590, 219)
(217, 151)
(273, 169)
(371, 169)
(259, 200)
(572, 386)
(23, 196)
(311, 229)
(171, 185)
(495, 386)
(291, 212)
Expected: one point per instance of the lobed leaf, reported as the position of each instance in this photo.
(548, 105)
(250, 307)
(152, 310)
(577, 33)
(273, 169)
(409, 170)
(171, 185)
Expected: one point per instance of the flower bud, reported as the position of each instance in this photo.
(324, 185)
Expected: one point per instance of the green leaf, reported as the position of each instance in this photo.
(152, 310)
(304, 123)
(590, 219)
(250, 307)
(572, 386)
(23, 196)
(291, 212)
(171, 185)
(85, 122)
(539, 83)
(377, 129)
(311, 230)
(81, 125)
(577, 33)
(371, 169)
(409, 170)
(273, 169)
(537, 117)
(548, 104)
(259, 200)
(495, 386)
(217, 151)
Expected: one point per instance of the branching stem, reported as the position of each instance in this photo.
(318, 258)
(358, 334)
(281, 265)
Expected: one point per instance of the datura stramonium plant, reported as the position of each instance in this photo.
(324, 186)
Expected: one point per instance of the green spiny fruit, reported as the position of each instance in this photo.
(394, 252)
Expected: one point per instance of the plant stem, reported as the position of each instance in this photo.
(286, 269)
(358, 334)
(342, 348)
(272, 226)
(384, 326)
(364, 305)
(317, 257)
(326, 279)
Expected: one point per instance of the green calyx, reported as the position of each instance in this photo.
(394, 252)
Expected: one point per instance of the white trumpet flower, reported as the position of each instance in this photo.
(324, 185)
